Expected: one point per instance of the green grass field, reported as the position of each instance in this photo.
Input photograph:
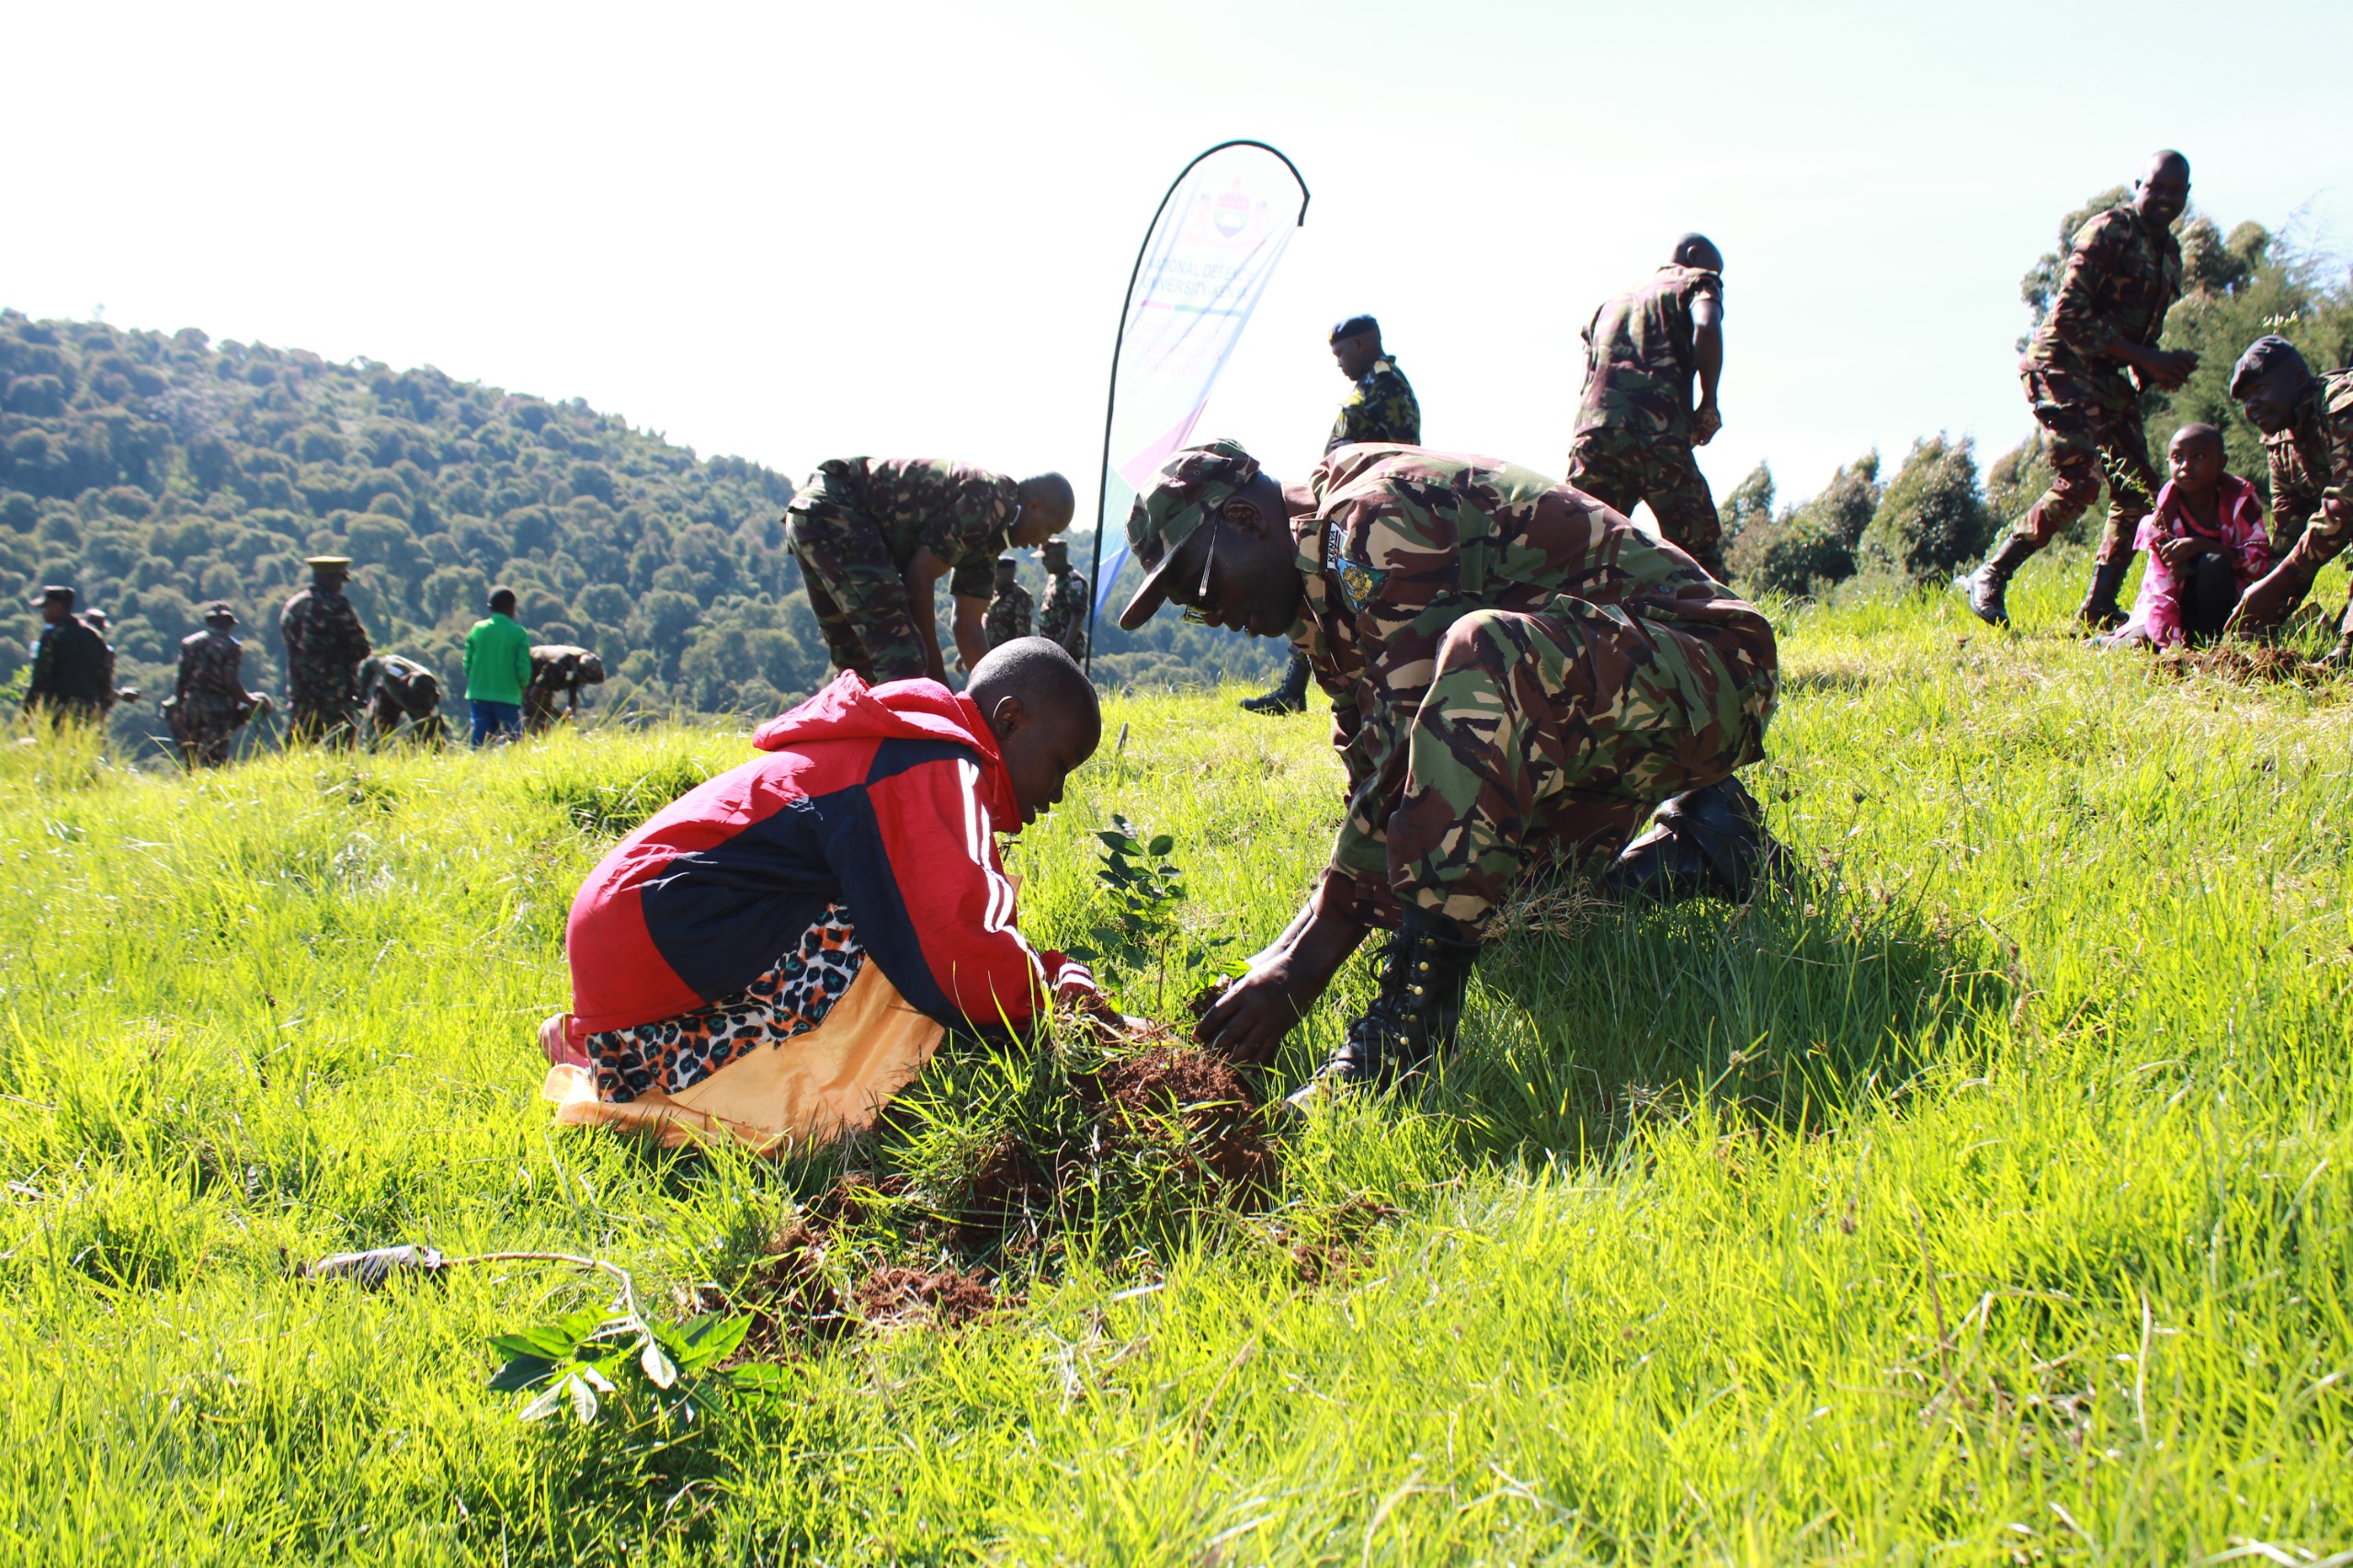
(1984, 1199)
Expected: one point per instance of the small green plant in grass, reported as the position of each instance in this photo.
(1147, 889)
(588, 1362)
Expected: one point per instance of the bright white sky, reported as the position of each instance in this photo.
(794, 231)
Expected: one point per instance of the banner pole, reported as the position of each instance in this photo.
(1118, 341)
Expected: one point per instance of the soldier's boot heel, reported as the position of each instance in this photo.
(1988, 586)
(1706, 841)
(2101, 612)
(1413, 1017)
(1290, 696)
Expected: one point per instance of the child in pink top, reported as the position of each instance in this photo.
(2206, 545)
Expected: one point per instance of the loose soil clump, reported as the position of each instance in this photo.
(2247, 664)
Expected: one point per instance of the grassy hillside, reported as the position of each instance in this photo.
(1985, 1198)
(156, 473)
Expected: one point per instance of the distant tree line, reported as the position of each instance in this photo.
(1936, 515)
(156, 473)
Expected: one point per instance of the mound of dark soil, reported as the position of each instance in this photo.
(2248, 664)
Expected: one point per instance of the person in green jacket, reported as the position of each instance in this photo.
(498, 666)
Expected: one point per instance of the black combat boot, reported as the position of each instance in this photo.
(2100, 611)
(2340, 657)
(1414, 1016)
(1289, 698)
(1702, 842)
(1987, 586)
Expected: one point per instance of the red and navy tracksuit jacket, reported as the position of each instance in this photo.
(885, 800)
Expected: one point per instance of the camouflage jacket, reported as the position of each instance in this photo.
(2121, 279)
(1010, 613)
(559, 667)
(211, 677)
(1401, 545)
(1379, 407)
(71, 664)
(2314, 453)
(1640, 355)
(959, 512)
(392, 684)
(1064, 618)
(324, 643)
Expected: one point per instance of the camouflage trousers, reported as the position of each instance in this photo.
(1620, 469)
(322, 718)
(1554, 735)
(206, 732)
(857, 595)
(2084, 437)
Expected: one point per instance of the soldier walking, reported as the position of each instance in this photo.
(2085, 371)
(1636, 421)
(2307, 425)
(875, 535)
(324, 643)
(1381, 408)
(73, 678)
(1011, 610)
(1063, 618)
(1517, 675)
(209, 702)
(558, 671)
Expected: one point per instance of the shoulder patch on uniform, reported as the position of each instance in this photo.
(2339, 390)
(1359, 580)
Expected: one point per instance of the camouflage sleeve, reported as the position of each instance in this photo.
(1399, 572)
(1355, 414)
(44, 675)
(2292, 501)
(975, 576)
(187, 672)
(2076, 315)
(354, 635)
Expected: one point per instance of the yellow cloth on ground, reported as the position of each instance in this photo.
(779, 1099)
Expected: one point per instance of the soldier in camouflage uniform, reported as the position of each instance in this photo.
(394, 689)
(1380, 408)
(1518, 676)
(72, 676)
(558, 671)
(1063, 618)
(96, 619)
(2084, 371)
(1636, 422)
(874, 535)
(209, 702)
(2307, 425)
(1011, 610)
(324, 643)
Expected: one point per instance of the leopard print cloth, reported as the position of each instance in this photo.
(671, 1054)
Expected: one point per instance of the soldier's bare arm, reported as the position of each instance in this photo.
(1251, 1018)
(970, 633)
(1707, 350)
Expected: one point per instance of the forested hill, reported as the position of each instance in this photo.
(156, 473)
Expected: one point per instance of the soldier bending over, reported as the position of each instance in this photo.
(393, 689)
(558, 671)
(2307, 425)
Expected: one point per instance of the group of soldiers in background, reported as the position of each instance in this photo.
(1013, 611)
(338, 689)
(2084, 370)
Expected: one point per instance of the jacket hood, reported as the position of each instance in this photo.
(922, 709)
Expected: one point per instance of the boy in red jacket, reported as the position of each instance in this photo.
(859, 853)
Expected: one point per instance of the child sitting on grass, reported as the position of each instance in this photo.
(2206, 545)
(776, 952)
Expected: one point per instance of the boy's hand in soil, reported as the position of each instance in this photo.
(1284, 980)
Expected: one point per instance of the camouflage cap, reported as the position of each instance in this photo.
(54, 591)
(1054, 549)
(1006, 563)
(1183, 496)
(219, 610)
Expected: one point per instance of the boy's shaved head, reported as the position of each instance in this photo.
(2197, 434)
(1043, 711)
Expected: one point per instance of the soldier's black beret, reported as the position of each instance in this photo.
(1356, 326)
(2265, 355)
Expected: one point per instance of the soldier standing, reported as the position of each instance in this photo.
(1636, 421)
(96, 619)
(558, 670)
(393, 689)
(2085, 371)
(1011, 610)
(1518, 674)
(1380, 408)
(324, 643)
(1063, 618)
(73, 674)
(2307, 425)
(208, 702)
(875, 535)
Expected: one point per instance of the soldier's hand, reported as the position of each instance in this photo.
(2169, 371)
(1706, 420)
(2260, 606)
